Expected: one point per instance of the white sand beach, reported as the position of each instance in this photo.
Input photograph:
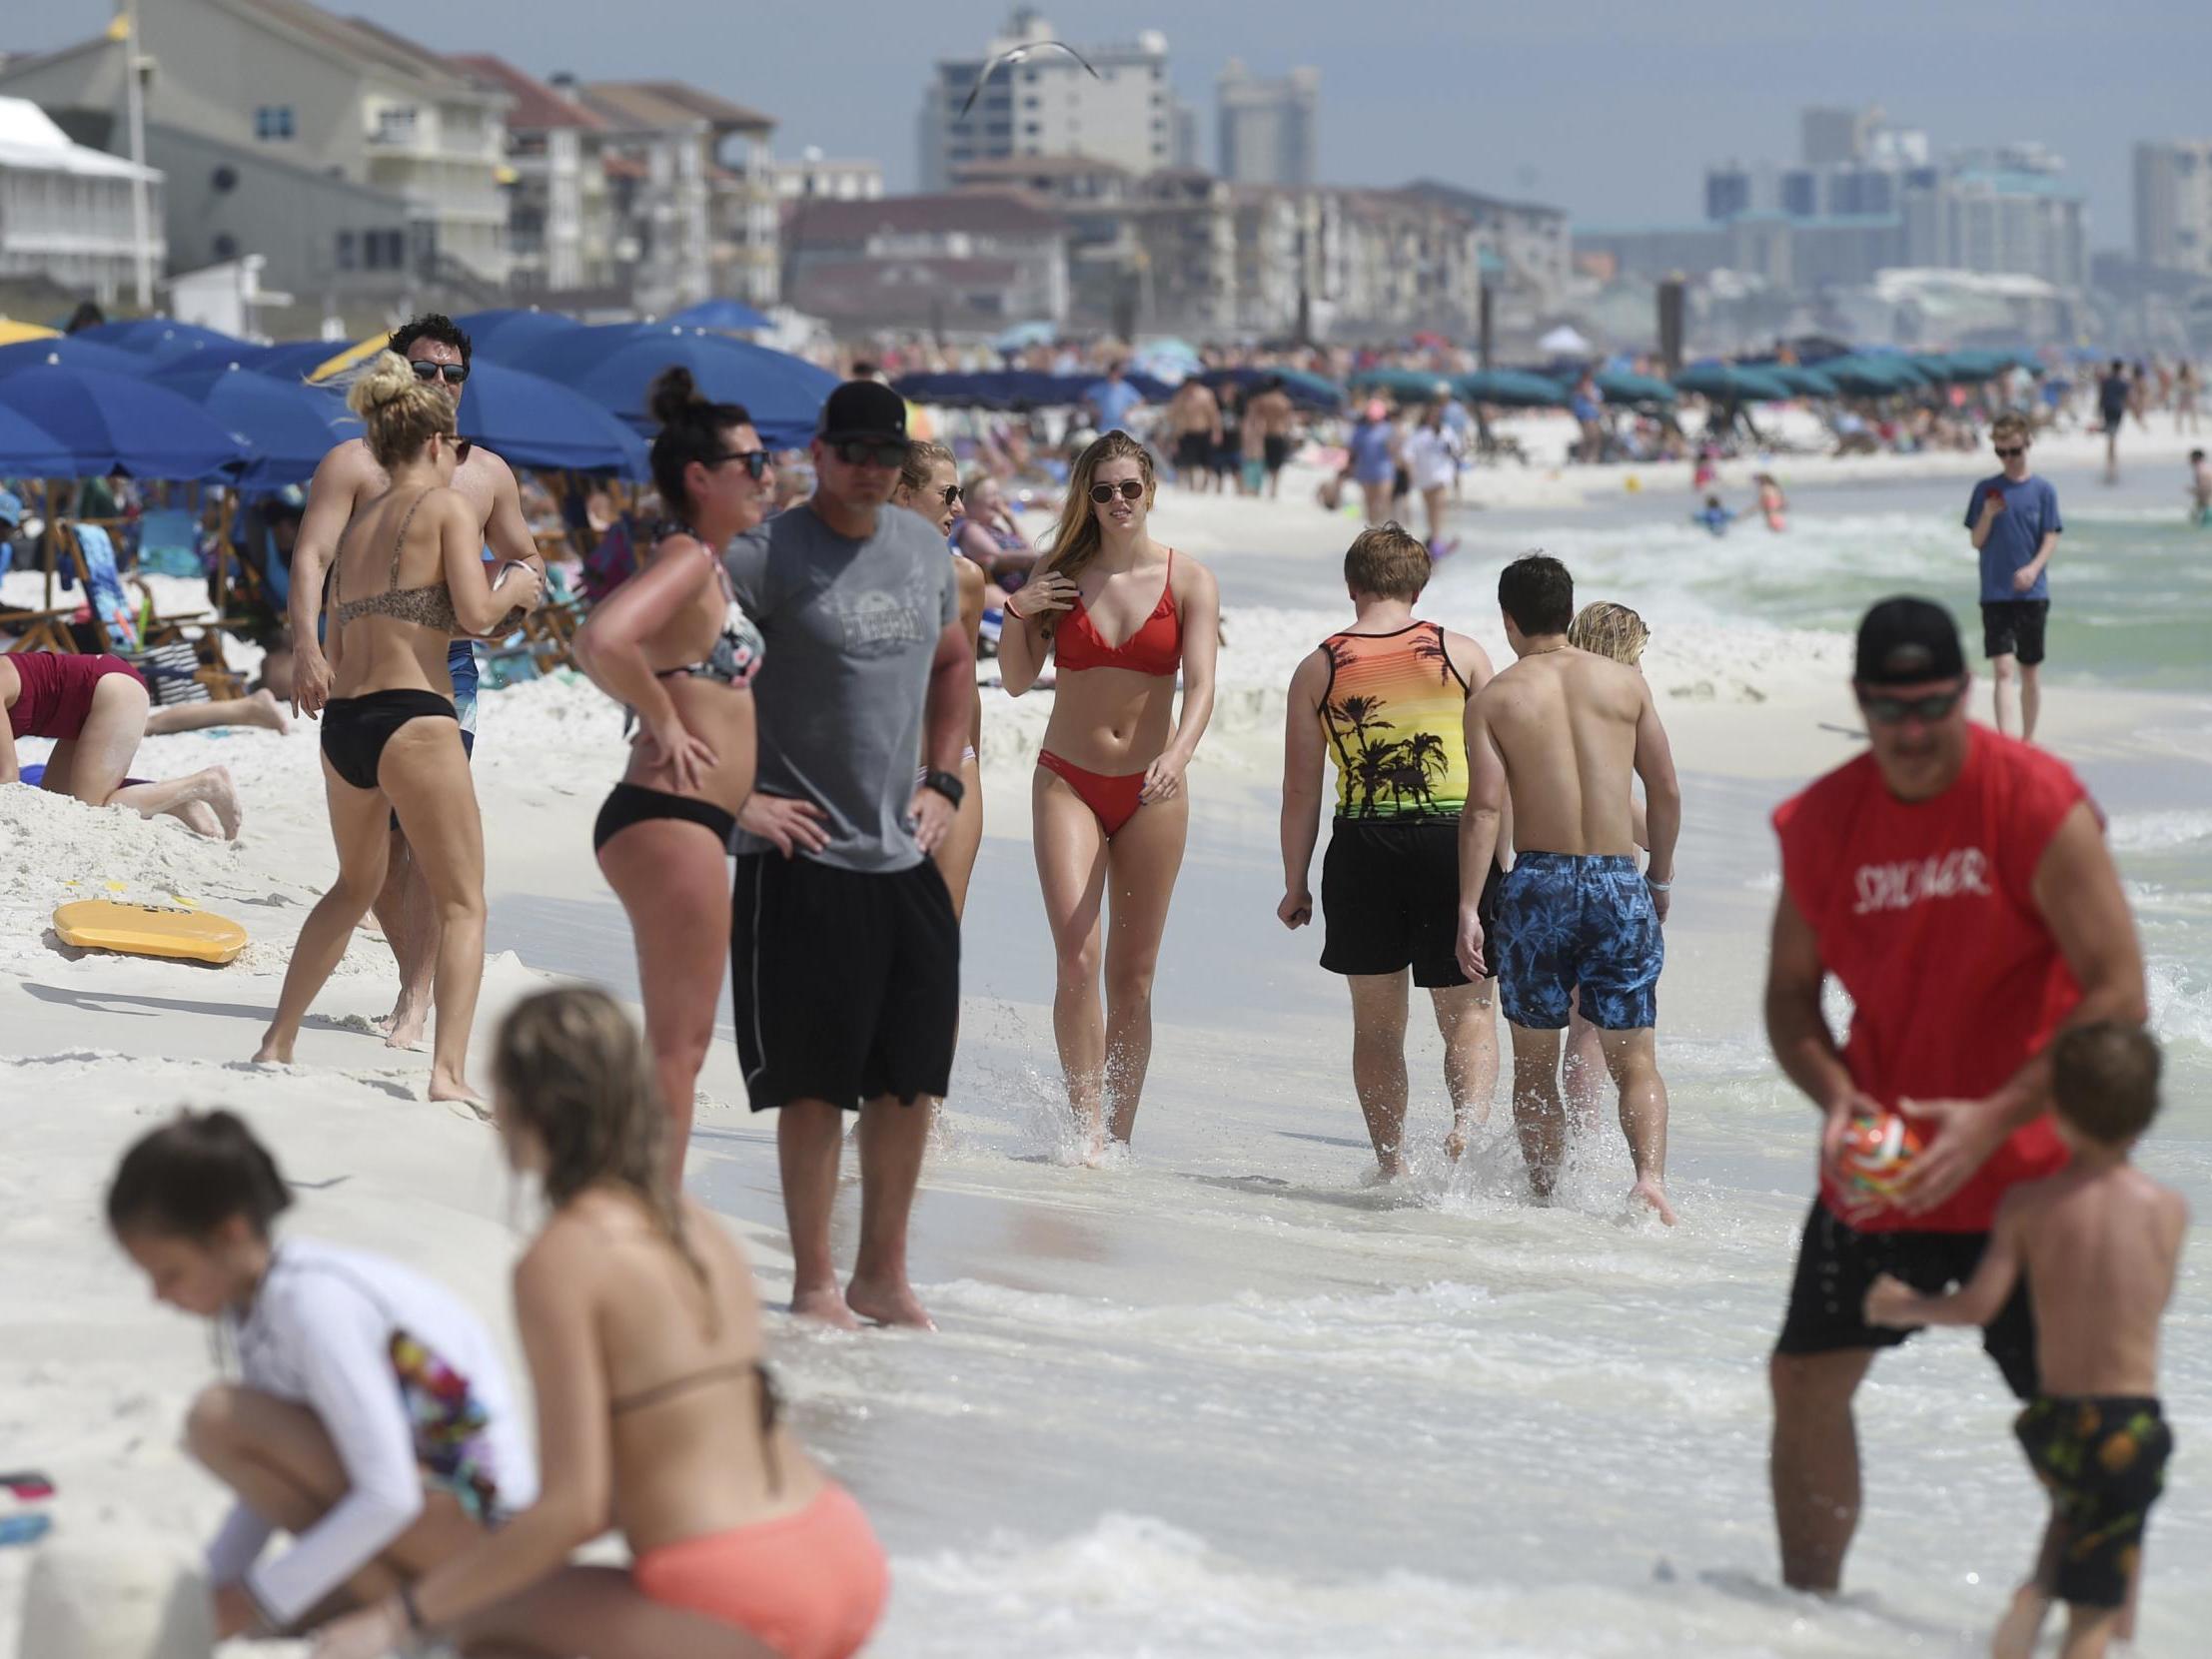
(1228, 1400)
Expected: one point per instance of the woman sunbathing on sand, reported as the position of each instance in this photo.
(672, 644)
(654, 1411)
(407, 575)
(1108, 797)
(373, 1420)
(95, 710)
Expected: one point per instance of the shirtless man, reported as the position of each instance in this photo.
(1272, 414)
(1194, 419)
(348, 480)
(2098, 1245)
(1560, 731)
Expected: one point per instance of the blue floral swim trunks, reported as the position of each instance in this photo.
(1571, 921)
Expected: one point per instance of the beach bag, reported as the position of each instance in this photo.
(169, 672)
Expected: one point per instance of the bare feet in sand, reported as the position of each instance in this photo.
(825, 1306)
(272, 1052)
(890, 1302)
(445, 1086)
(215, 788)
(263, 709)
(1651, 1192)
(404, 1026)
(200, 819)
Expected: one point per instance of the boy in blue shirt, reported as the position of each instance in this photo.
(2015, 521)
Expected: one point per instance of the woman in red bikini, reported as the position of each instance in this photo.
(95, 710)
(1108, 798)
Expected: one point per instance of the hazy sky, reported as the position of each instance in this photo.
(1607, 109)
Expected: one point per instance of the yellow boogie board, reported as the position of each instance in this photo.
(149, 930)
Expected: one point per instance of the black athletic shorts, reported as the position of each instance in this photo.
(1837, 1265)
(2015, 628)
(1276, 451)
(1194, 451)
(846, 984)
(1390, 899)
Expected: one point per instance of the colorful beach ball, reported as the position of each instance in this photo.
(1877, 1152)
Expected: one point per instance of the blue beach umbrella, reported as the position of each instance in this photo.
(1512, 389)
(528, 421)
(29, 451)
(615, 364)
(1022, 336)
(1734, 382)
(69, 352)
(163, 339)
(1407, 384)
(1624, 385)
(1879, 375)
(1805, 382)
(122, 423)
(722, 316)
(504, 333)
(288, 360)
(1305, 389)
(288, 426)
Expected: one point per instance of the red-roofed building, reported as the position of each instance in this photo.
(561, 226)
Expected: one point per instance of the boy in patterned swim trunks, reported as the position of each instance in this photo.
(2098, 1243)
(1560, 732)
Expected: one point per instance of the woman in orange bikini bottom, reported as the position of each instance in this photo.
(812, 1584)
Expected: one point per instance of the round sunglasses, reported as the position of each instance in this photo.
(1128, 489)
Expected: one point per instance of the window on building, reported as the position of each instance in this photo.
(273, 120)
(349, 253)
(396, 124)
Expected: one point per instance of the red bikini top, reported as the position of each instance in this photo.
(1155, 649)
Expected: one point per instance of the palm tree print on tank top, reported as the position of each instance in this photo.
(1392, 713)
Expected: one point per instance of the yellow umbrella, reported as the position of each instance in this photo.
(358, 353)
(14, 333)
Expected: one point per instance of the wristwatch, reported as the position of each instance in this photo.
(947, 784)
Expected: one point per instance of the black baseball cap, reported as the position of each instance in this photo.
(863, 408)
(1908, 641)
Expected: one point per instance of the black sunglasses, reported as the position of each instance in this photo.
(2012, 453)
(1129, 489)
(951, 494)
(870, 451)
(1891, 711)
(453, 372)
(757, 462)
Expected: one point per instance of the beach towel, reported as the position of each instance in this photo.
(105, 593)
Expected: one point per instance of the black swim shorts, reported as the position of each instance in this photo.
(847, 983)
(1389, 900)
(2015, 628)
(1194, 451)
(2103, 1460)
(1277, 448)
(1838, 1265)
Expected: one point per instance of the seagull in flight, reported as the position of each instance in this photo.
(1013, 55)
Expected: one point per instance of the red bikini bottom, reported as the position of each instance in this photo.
(1113, 801)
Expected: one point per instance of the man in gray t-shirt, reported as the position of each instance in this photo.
(844, 951)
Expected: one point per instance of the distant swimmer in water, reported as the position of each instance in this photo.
(2097, 1244)
(1110, 808)
(1956, 885)
(1385, 699)
(408, 577)
(1715, 516)
(655, 1410)
(371, 1422)
(1558, 735)
(2200, 489)
(1773, 506)
(674, 645)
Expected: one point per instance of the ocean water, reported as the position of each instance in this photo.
(1231, 1399)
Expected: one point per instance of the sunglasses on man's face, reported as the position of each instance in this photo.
(1128, 489)
(757, 462)
(865, 452)
(453, 372)
(1891, 711)
(2012, 453)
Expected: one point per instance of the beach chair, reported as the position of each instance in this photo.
(180, 656)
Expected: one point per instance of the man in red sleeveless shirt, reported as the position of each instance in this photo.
(1957, 885)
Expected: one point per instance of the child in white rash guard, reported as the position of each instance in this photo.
(373, 1420)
